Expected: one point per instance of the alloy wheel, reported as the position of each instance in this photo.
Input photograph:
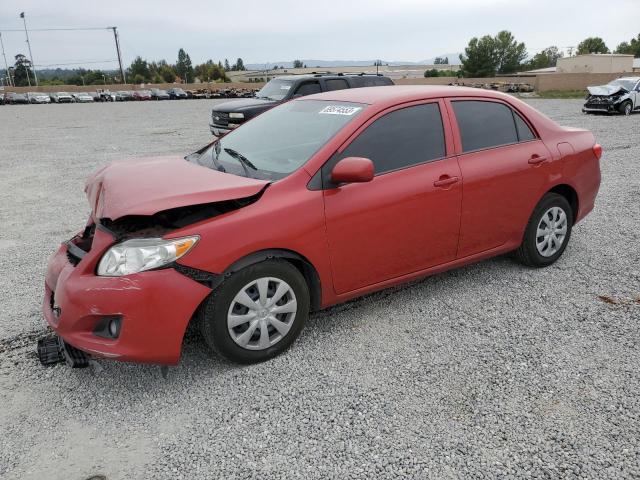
(262, 313)
(551, 232)
(627, 109)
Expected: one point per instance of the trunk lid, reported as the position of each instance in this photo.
(150, 185)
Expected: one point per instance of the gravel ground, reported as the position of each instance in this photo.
(493, 370)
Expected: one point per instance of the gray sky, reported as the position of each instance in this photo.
(277, 30)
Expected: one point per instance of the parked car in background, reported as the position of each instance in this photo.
(61, 97)
(177, 94)
(95, 95)
(106, 95)
(124, 96)
(229, 115)
(618, 96)
(315, 202)
(82, 97)
(141, 95)
(12, 98)
(158, 94)
(38, 97)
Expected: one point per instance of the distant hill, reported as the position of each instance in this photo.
(311, 63)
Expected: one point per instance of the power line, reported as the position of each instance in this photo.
(77, 63)
(56, 29)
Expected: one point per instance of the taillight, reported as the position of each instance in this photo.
(597, 150)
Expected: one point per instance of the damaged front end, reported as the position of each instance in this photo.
(605, 99)
(111, 291)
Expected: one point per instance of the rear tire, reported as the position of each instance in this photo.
(240, 319)
(547, 233)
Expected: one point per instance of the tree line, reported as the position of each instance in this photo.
(140, 71)
(483, 57)
(490, 56)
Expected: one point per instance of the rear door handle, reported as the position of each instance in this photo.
(536, 159)
(445, 181)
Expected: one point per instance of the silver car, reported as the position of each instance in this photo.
(621, 95)
(82, 97)
(38, 97)
(61, 97)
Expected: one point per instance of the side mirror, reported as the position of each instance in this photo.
(353, 170)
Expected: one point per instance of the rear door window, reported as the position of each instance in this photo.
(308, 88)
(336, 84)
(484, 124)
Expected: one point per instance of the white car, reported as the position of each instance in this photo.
(621, 95)
(38, 97)
(82, 97)
(61, 97)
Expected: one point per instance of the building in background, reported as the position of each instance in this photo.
(596, 63)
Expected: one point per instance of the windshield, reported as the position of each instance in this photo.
(626, 84)
(278, 141)
(275, 89)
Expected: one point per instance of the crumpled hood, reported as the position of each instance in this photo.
(606, 90)
(150, 185)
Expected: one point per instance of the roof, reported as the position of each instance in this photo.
(597, 55)
(402, 93)
(304, 76)
(543, 70)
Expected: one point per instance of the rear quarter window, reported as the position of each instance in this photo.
(524, 132)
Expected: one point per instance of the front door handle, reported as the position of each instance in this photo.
(445, 181)
(536, 159)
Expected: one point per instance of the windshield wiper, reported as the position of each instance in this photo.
(244, 161)
(215, 151)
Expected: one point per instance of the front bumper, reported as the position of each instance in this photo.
(600, 108)
(154, 306)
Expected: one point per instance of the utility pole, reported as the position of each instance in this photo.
(115, 36)
(6, 65)
(35, 75)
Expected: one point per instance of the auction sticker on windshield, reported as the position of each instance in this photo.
(339, 110)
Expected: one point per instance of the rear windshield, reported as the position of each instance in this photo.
(280, 140)
(275, 89)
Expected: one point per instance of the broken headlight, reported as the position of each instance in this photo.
(140, 254)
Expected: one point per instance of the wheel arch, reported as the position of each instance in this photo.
(301, 263)
(570, 194)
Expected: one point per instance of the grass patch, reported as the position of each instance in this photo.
(563, 94)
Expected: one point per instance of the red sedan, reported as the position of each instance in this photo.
(142, 95)
(317, 201)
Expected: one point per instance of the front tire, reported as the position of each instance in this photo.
(256, 313)
(626, 108)
(547, 233)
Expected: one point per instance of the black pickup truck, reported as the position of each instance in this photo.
(228, 115)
